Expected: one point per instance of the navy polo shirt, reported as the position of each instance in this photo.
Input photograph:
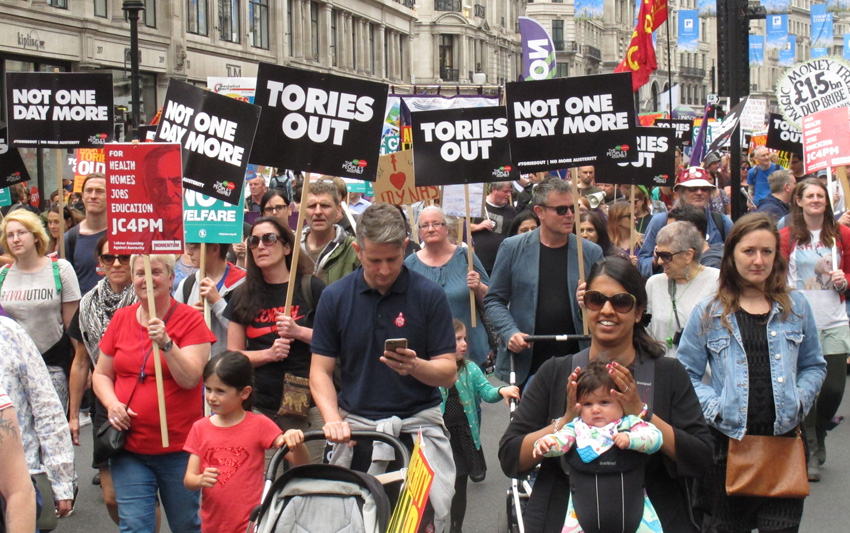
(353, 321)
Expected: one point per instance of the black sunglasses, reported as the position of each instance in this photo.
(109, 259)
(622, 302)
(667, 256)
(561, 210)
(268, 239)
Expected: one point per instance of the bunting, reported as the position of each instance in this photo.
(640, 56)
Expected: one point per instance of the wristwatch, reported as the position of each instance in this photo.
(167, 346)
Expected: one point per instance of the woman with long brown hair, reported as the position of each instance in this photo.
(620, 229)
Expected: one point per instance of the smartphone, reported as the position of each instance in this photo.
(392, 345)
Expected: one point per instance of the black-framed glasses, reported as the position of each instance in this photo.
(622, 302)
(434, 225)
(274, 208)
(267, 239)
(667, 256)
(108, 259)
(561, 210)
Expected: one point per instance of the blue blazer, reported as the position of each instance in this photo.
(511, 300)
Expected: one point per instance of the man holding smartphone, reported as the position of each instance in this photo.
(378, 306)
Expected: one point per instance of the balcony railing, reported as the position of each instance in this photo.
(593, 52)
(449, 74)
(692, 71)
(566, 46)
(447, 5)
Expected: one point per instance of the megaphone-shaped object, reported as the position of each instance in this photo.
(596, 199)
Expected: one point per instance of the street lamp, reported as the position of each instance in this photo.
(132, 8)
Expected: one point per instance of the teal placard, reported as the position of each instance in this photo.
(361, 186)
(210, 220)
(5, 197)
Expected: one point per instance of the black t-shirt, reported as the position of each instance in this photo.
(486, 241)
(554, 314)
(261, 333)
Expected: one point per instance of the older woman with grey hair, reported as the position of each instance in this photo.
(674, 293)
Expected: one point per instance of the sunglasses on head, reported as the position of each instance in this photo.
(110, 259)
(267, 239)
(622, 302)
(666, 256)
(561, 210)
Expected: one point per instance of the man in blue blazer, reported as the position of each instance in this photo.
(534, 281)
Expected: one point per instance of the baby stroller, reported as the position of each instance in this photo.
(325, 498)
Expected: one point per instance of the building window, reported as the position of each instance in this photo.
(354, 43)
(371, 48)
(258, 13)
(196, 16)
(100, 8)
(563, 70)
(386, 54)
(480, 11)
(334, 15)
(289, 26)
(61, 4)
(558, 34)
(149, 14)
(446, 54)
(447, 5)
(228, 20)
(314, 30)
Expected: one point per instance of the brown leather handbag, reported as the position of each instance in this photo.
(767, 466)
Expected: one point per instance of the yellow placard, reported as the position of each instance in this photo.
(414, 494)
(396, 183)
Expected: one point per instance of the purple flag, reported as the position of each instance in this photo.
(699, 145)
(538, 52)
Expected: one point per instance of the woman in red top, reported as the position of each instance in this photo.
(125, 375)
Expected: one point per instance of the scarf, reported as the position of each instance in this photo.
(96, 310)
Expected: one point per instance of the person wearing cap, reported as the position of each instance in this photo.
(693, 187)
(757, 176)
(776, 204)
(719, 199)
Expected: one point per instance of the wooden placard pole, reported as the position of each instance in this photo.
(469, 251)
(347, 212)
(202, 273)
(831, 197)
(296, 247)
(414, 229)
(61, 237)
(157, 363)
(632, 231)
(579, 246)
(841, 172)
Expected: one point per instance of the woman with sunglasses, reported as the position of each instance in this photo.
(675, 292)
(278, 345)
(820, 273)
(446, 264)
(615, 303)
(98, 306)
(72, 218)
(760, 342)
(124, 382)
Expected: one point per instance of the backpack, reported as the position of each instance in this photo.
(56, 278)
(718, 223)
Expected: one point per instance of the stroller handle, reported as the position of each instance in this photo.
(556, 338)
(316, 434)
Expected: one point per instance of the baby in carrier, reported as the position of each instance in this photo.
(600, 448)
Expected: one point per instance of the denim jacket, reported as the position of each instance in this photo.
(795, 359)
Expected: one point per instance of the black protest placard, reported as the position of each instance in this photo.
(215, 133)
(783, 136)
(656, 164)
(683, 129)
(727, 127)
(319, 122)
(569, 122)
(12, 168)
(468, 145)
(59, 110)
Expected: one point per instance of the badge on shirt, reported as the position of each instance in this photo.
(399, 320)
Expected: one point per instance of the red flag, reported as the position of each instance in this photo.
(640, 56)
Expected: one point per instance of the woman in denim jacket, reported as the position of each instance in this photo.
(760, 342)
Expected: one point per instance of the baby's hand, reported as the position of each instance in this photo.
(542, 446)
(209, 477)
(622, 440)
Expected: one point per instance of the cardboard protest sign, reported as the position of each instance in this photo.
(682, 128)
(783, 136)
(216, 134)
(826, 139)
(87, 160)
(12, 167)
(59, 110)
(414, 494)
(396, 184)
(467, 145)
(453, 202)
(319, 122)
(753, 115)
(656, 162)
(812, 86)
(723, 132)
(144, 211)
(211, 220)
(569, 122)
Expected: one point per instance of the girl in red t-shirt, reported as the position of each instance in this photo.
(228, 448)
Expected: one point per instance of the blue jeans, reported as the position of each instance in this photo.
(137, 477)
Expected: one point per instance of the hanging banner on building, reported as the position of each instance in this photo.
(588, 9)
(775, 7)
(821, 27)
(242, 89)
(723, 132)
(756, 50)
(211, 220)
(813, 86)
(819, 52)
(656, 148)
(776, 32)
(826, 139)
(788, 55)
(319, 122)
(144, 186)
(538, 52)
(707, 8)
(562, 123)
(683, 129)
(216, 133)
(87, 160)
(846, 54)
(688, 30)
(783, 136)
(834, 6)
(396, 183)
(59, 110)
(12, 168)
(462, 146)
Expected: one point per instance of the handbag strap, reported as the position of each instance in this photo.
(142, 374)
